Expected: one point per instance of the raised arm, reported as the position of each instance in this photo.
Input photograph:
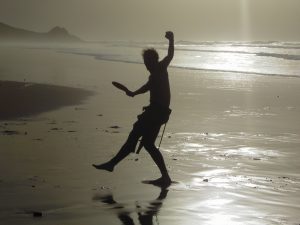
(170, 36)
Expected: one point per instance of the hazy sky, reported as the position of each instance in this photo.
(149, 19)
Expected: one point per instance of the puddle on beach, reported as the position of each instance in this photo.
(234, 176)
(247, 113)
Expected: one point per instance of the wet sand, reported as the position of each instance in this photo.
(232, 144)
(22, 99)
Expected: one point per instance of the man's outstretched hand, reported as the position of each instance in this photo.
(129, 93)
(169, 35)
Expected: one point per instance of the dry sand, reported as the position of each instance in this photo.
(232, 143)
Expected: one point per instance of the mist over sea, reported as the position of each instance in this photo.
(262, 58)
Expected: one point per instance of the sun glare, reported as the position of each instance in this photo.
(245, 19)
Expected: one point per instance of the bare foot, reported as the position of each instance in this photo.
(105, 166)
(161, 182)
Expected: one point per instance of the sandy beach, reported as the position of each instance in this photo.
(232, 145)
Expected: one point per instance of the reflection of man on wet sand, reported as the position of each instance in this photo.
(154, 115)
(145, 216)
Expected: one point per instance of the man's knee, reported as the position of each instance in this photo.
(149, 146)
(135, 134)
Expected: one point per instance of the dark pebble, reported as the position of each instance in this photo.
(55, 128)
(37, 214)
(69, 121)
(10, 132)
(114, 127)
(78, 108)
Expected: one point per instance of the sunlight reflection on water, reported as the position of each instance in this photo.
(236, 176)
(219, 218)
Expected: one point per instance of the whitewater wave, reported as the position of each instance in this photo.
(280, 56)
(119, 58)
(225, 57)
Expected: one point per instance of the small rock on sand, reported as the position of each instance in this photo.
(115, 127)
(10, 132)
(79, 108)
(37, 214)
(37, 139)
(55, 128)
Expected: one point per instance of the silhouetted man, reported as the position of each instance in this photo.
(154, 115)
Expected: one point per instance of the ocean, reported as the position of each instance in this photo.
(261, 58)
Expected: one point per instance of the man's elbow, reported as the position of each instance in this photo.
(171, 52)
(170, 56)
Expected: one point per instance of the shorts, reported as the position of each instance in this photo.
(154, 115)
(149, 123)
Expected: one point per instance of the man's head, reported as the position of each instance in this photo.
(150, 57)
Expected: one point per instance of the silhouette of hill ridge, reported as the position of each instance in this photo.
(57, 34)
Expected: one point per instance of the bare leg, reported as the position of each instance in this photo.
(157, 157)
(148, 142)
(126, 149)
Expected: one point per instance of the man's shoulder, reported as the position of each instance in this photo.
(162, 65)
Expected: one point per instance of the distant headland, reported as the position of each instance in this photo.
(56, 34)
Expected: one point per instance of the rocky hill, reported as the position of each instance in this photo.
(56, 34)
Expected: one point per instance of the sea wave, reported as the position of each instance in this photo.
(280, 56)
(119, 58)
(205, 56)
(257, 44)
